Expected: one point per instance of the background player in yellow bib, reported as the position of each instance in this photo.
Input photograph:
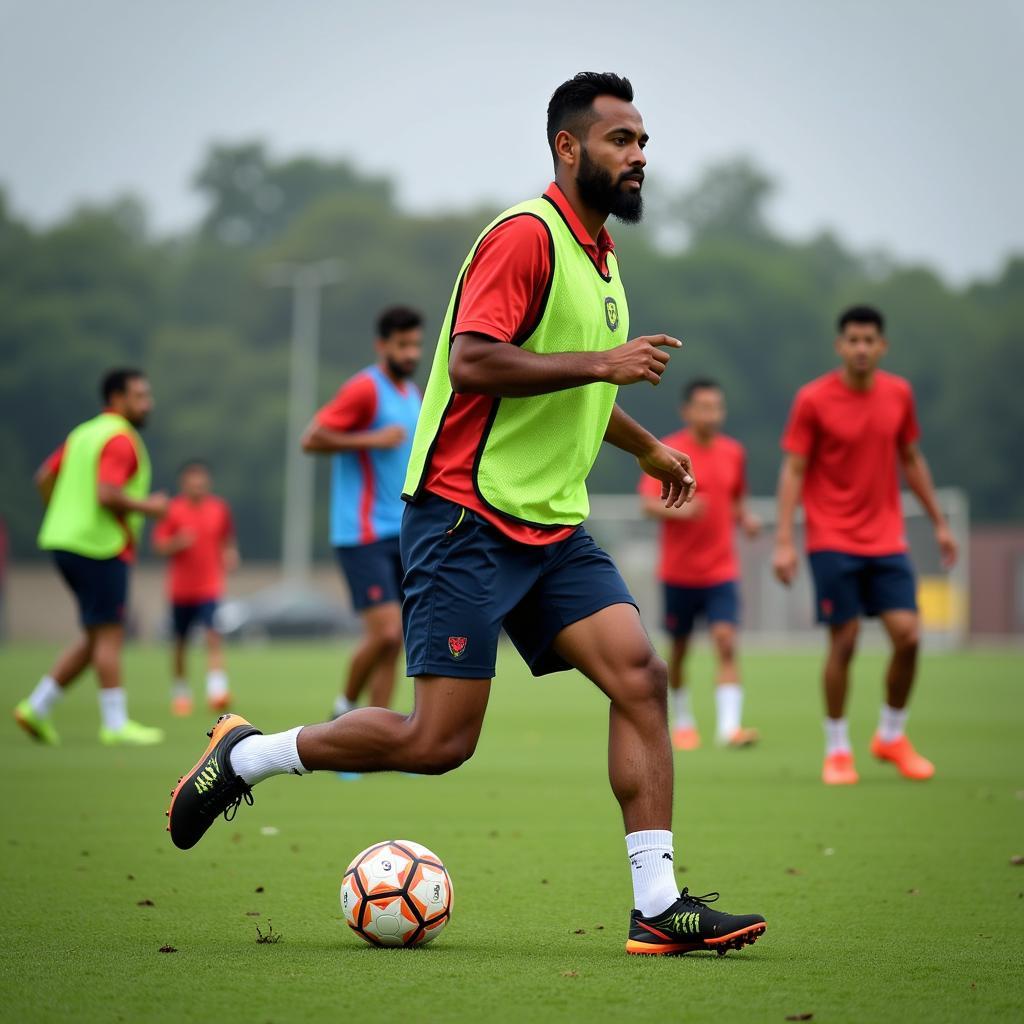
(520, 398)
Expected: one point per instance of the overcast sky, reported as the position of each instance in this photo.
(897, 122)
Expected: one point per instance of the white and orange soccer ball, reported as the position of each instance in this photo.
(397, 893)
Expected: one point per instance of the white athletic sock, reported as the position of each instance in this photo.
(45, 695)
(650, 862)
(114, 708)
(837, 738)
(216, 683)
(891, 723)
(681, 708)
(729, 704)
(258, 757)
(180, 688)
(342, 705)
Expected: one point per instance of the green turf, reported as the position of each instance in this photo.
(888, 901)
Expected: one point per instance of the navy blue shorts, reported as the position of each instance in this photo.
(849, 586)
(465, 581)
(720, 603)
(373, 572)
(185, 616)
(100, 586)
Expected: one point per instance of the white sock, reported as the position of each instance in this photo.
(180, 688)
(258, 757)
(342, 705)
(114, 708)
(45, 695)
(891, 723)
(650, 862)
(216, 683)
(837, 739)
(681, 708)
(729, 703)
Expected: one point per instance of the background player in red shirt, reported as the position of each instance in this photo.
(698, 564)
(198, 537)
(848, 434)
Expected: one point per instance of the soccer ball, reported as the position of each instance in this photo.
(397, 893)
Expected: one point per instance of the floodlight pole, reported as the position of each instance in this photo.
(306, 281)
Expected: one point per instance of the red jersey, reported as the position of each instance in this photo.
(196, 573)
(502, 298)
(852, 441)
(118, 463)
(701, 551)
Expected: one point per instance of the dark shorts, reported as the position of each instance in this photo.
(465, 581)
(185, 616)
(100, 586)
(373, 572)
(849, 586)
(720, 603)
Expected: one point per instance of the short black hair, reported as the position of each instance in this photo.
(397, 318)
(115, 382)
(699, 384)
(572, 102)
(861, 315)
(193, 464)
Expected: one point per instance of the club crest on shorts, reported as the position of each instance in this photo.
(611, 313)
(457, 646)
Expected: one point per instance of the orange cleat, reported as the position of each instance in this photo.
(742, 737)
(839, 769)
(219, 703)
(181, 706)
(901, 752)
(685, 737)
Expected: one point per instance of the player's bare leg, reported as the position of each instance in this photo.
(728, 689)
(684, 728)
(117, 727)
(380, 646)
(839, 769)
(439, 735)
(890, 742)
(73, 661)
(33, 713)
(181, 693)
(218, 696)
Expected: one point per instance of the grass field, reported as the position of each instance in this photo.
(887, 901)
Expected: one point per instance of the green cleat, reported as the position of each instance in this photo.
(131, 734)
(38, 727)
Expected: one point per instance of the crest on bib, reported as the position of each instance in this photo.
(611, 313)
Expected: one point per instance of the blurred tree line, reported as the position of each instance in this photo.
(756, 311)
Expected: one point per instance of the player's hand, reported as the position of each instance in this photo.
(388, 437)
(673, 469)
(638, 360)
(751, 525)
(157, 505)
(948, 548)
(784, 562)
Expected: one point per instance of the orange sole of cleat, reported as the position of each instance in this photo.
(735, 940)
(215, 735)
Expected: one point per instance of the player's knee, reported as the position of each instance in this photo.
(844, 643)
(646, 681)
(387, 639)
(907, 639)
(440, 755)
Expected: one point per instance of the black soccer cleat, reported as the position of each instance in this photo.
(690, 924)
(211, 788)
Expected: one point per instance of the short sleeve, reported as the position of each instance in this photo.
(353, 407)
(910, 430)
(740, 488)
(51, 464)
(505, 284)
(801, 428)
(118, 461)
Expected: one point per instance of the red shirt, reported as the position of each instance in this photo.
(852, 441)
(502, 295)
(353, 407)
(701, 551)
(118, 463)
(196, 573)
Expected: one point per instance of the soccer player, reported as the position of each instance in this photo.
(699, 568)
(96, 490)
(367, 428)
(520, 397)
(848, 435)
(197, 537)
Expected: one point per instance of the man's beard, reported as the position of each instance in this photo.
(400, 371)
(600, 193)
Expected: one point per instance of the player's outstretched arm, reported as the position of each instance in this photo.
(44, 479)
(321, 440)
(791, 478)
(919, 480)
(479, 365)
(657, 460)
(116, 500)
